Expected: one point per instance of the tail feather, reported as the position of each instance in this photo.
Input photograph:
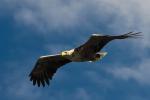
(129, 35)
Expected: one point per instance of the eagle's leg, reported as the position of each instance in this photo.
(99, 56)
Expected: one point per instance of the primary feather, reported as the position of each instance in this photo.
(45, 68)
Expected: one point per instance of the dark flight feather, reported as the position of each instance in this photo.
(97, 42)
(45, 68)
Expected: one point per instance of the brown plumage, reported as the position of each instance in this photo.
(46, 66)
(96, 42)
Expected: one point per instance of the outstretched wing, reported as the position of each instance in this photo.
(97, 42)
(45, 68)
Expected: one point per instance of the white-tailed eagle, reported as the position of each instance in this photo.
(46, 66)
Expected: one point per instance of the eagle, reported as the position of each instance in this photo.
(46, 66)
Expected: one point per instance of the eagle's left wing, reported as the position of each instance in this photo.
(96, 42)
(45, 68)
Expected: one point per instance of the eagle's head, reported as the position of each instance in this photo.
(67, 53)
(99, 56)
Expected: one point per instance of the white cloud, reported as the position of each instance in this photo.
(97, 79)
(76, 94)
(81, 94)
(29, 18)
(139, 72)
(46, 15)
(119, 15)
(50, 14)
(15, 82)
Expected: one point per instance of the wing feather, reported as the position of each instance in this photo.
(96, 42)
(45, 68)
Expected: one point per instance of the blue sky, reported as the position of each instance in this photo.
(32, 28)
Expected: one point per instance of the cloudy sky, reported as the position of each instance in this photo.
(31, 28)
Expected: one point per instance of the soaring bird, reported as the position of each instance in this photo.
(46, 66)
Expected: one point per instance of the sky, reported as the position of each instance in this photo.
(32, 28)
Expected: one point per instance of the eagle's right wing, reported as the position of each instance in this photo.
(45, 68)
(96, 42)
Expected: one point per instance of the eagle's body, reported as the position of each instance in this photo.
(77, 56)
(46, 66)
